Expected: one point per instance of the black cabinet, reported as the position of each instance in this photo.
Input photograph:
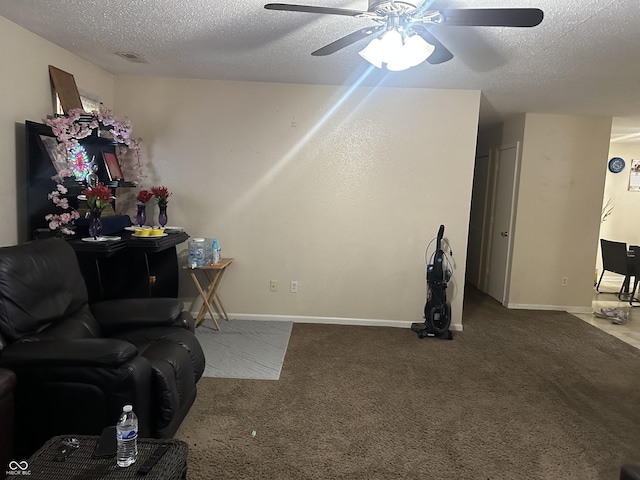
(130, 267)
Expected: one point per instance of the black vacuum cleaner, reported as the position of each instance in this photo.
(437, 310)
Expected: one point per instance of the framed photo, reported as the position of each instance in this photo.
(113, 166)
(634, 176)
(58, 160)
(65, 86)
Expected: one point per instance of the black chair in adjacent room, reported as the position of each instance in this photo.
(616, 259)
(635, 259)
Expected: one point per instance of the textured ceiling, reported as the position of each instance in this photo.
(583, 59)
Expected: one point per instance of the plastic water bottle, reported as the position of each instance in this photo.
(127, 437)
(215, 247)
(197, 253)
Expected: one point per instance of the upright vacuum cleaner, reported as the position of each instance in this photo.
(437, 310)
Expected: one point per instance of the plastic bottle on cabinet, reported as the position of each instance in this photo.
(127, 437)
(215, 247)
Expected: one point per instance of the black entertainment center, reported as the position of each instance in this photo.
(126, 268)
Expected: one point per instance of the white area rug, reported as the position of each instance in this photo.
(244, 348)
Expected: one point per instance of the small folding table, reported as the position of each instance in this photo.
(210, 298)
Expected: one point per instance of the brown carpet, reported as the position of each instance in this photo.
(517, 395)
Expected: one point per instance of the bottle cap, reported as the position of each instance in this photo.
(127, 408)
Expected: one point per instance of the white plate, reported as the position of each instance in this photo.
(176, 229)
(133, 229)
(150, 236)
(100, 239)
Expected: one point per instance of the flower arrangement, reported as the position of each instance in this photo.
(144, 196)
(162, 195)
(78, 124)
(98, 197)
(61, 222)
(71, 128)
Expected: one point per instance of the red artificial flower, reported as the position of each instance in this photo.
(98, 197)
(161, 193)
(144, 196)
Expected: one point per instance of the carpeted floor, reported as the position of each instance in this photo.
(244, 348)
(517, 395)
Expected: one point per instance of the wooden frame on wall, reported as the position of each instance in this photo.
(66, 88)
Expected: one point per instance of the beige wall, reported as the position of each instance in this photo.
(620, 225)
(559, 198)
(558, 201)
(339, 190)
(26, 94)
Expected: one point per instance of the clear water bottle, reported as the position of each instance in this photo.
(127, 437)
(215, 247)
(197, 253)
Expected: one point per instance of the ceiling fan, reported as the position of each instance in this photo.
(411, 23)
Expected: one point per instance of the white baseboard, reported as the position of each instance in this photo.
(557, 308)
(365, 322)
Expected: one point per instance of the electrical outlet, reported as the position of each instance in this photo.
(294, 286)
(273, 286)
(565, 281)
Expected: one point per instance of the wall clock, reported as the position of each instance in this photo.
(616, 164)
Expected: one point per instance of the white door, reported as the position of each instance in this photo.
(498, 267)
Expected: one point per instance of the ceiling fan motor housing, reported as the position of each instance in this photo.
(375, 5)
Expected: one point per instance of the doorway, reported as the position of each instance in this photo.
(500, 169)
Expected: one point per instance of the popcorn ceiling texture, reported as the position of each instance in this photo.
(578, 61)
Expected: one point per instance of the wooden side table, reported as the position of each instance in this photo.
(210, 298)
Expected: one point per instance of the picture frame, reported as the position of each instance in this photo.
(65, 86)
(58, 160)
(634, 176)
(112, 166)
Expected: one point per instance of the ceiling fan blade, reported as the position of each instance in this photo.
(492, 17)
(311, 9)
(346, 41)
(441, 53)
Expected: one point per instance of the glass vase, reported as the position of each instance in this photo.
(95, 224)
(162, 217)
(141, 216)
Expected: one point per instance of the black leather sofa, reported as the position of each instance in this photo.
(7, 386)
(77, 364)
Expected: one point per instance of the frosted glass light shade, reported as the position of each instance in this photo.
(414, 51)
(389, 49)
(372, 53)
(391, 45)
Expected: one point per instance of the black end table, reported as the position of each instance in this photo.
(81, 464)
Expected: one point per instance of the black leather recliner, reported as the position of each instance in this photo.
(77, 364)
(7, 405)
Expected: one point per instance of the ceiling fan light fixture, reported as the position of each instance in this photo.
(372, 53)
(414, 51)
(382, 49)
(398, 56)
(391, 44)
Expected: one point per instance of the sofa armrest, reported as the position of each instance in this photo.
(131, 313)
(86, 352)
(7, 382)
(7, 409)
